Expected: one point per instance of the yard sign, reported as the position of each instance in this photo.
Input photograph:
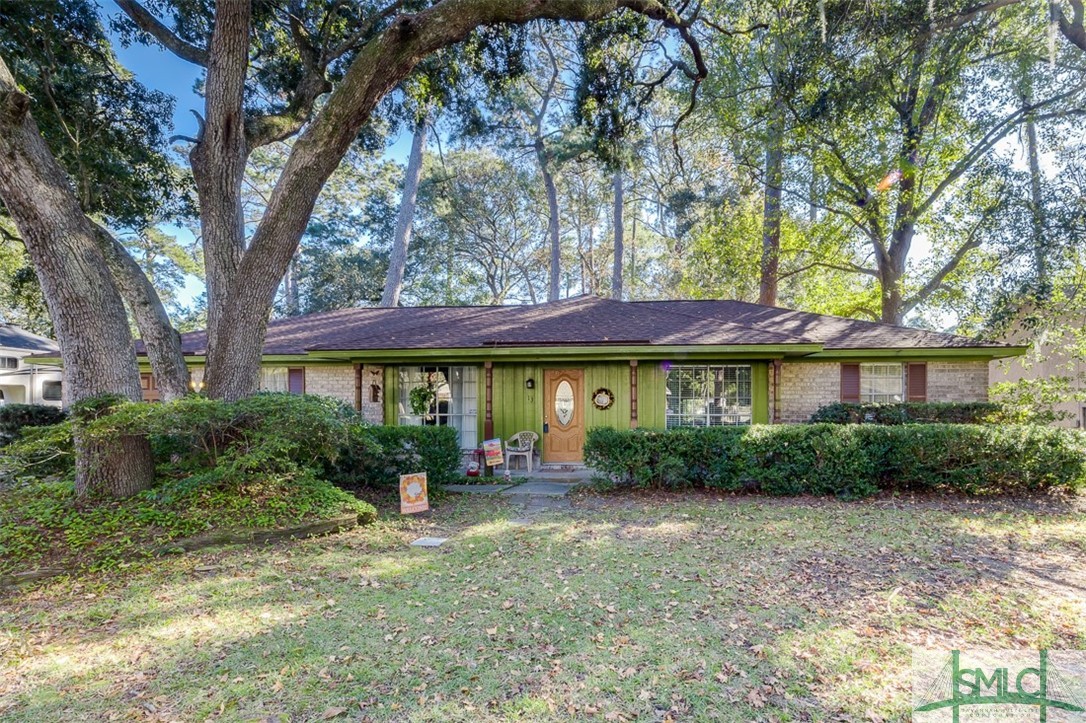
(492, 450)
(413, 496)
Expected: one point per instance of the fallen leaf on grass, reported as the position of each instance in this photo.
(333, 713)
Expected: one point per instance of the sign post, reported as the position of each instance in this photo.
(413, 496)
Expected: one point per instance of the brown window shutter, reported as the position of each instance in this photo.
(850, 382)
(296, 381)
(917, 382)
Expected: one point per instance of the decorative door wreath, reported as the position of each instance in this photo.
(603, 398)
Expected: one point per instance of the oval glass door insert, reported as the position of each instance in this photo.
(563, 403)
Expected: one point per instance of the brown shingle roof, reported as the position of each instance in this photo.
(833, 332)
(584, 320)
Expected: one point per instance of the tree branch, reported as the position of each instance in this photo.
(995, 134)
(149, 24)
(973, 242)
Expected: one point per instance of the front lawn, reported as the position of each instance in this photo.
(684, 607)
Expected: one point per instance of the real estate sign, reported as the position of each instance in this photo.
(413, 497)
(492, 450)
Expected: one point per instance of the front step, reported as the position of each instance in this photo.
(560, 467)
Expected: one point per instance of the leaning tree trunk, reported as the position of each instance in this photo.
(241, 313)
(397, 262)
(160, 339)
(87, 311)
(616, 271)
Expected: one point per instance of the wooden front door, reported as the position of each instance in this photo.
(563, 415)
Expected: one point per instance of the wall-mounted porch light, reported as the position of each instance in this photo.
(529, 383)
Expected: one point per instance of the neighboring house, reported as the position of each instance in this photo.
(1048, 358)
(563, 367)
(23, 381)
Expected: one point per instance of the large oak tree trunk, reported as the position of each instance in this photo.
(243, 304)
(87, 311)
(401, 240)
(616, 272)
(160, 339)
(218, 168)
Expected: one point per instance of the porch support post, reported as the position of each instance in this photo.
(358, 387)
(633, 394)
(776, 391)
(488, 420)
(488, 417)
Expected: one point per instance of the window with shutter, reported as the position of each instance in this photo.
(296, 381)
(917, 382)
(850, 382)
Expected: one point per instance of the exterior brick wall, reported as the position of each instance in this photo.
(807, 386)
(958, 381)
(331, 381)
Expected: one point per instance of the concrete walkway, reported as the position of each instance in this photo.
(534, 495)
(539, 488)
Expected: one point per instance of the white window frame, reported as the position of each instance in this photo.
(275, 379)
(6, 363)
(711, 395)
(882, 383)
(457, 402)
(60, 391)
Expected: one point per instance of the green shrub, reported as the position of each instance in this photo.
(844, 460)
(378, 455)
(43, 523)
(14, 418)
(976, 459)
(910, 413)
(277, 436)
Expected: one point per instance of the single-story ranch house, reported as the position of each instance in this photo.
(563, 367)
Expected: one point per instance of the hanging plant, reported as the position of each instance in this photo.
(422, 399)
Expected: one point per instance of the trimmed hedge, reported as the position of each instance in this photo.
(378, 455)
(15, 417)
(844, 460)
(910, 413)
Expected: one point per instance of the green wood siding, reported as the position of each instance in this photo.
(392, 394)
(651, 395)
(517, 408)
(615, 377)
(760, 392)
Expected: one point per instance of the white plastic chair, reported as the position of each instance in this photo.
(520, 444)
